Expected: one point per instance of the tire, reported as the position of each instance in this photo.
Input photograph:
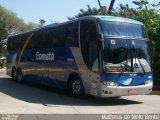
(75, 87)
(13, 74)
(19, 75)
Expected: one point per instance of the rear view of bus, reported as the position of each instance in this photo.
(124, 58)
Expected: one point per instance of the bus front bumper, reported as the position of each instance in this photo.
(115, 91)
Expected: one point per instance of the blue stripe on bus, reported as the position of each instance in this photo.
(55, 73)
(127, 80)
(49, 72)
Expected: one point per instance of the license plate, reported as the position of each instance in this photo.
(132, 91)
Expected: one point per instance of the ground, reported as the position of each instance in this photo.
(27, 98)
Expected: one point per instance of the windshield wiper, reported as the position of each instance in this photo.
(135, 55)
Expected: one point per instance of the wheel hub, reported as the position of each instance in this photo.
(76, 87)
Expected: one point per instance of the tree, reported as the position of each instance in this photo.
(42, 22)
(141, 4)
(126, 11)
(10, 25)
(90, 11)
(111, 6)
(3, 35)
(99, 3)
(13, 24)
(32, 25)
(95, 11)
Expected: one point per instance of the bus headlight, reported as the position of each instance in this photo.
(149, 82)
(108, 83)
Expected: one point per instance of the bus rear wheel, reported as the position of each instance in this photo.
(75, 87)
(19, 75)
(13, 74)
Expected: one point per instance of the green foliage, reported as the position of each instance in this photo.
(90, 11)
(3, 32)
(13, 24)
(3, 35)
(126, 11)
(10, 25)
(42, 22)
(141, 4)
(149, 15)
(32, 25)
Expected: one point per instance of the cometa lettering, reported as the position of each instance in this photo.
(47, 57)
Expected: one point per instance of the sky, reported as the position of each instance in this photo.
(53, 10)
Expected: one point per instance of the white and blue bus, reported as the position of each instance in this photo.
(103, 56)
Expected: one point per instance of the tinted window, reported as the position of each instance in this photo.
(142, 52)
(122, 55)
(9, 44)
(117, 55)
(24, 38)
(88, 36)
(116, 51)
(93, 56)
(38, 41)
(60, 36)
(63, 36)
(122, 29)
(72, 34)
(15, 43)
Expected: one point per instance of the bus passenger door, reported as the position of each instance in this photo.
(90, 56)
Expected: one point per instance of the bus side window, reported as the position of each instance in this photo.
(47, 37)
(56, 36)
(93, 56)
(88, 36)
(72, 35)
(64, 36)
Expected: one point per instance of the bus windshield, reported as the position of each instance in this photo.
(124, 55)
(122, 29)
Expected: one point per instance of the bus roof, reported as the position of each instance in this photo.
(98, 17)
(91, 17)
(113, 18)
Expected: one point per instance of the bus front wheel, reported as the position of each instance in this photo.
(75, 87)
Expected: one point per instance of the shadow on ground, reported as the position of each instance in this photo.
(34, 93)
